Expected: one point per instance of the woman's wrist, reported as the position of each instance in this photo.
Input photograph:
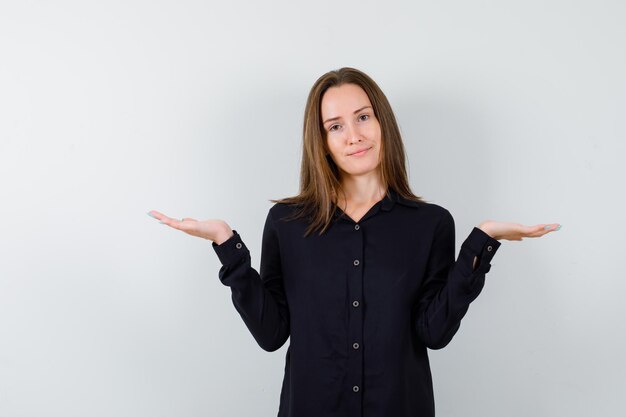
(484, 226)
(223, 236)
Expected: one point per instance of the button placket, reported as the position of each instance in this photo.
(355, 252)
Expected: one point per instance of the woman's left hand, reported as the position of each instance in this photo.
(516, 231)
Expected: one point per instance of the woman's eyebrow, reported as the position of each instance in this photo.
(338, 117)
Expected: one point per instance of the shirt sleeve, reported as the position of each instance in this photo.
(449, 287)
(258, 297)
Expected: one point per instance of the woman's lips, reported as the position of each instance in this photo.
(360, 153)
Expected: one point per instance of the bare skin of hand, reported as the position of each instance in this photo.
(213, 229)
(515, 231)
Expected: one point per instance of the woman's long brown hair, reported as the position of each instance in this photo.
(320, 181)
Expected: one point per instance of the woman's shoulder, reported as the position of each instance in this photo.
(439, 215)
(436, 208)
(281, 210)
(426, 207)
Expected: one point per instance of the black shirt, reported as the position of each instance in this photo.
(361, 304)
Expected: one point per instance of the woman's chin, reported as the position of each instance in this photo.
(360, 171)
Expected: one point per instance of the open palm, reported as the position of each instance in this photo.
(213, 229)
(516, 231)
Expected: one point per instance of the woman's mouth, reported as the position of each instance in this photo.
(361, 152)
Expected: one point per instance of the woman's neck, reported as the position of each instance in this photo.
(360, 191)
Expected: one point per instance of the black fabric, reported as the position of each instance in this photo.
(361, 304)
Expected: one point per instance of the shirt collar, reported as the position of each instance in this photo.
(390, 200)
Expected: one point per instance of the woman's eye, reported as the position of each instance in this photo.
(332, 128)
(366, 116)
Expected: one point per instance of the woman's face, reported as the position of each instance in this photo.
(352, 131)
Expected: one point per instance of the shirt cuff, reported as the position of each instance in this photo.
(232, 250)
(481, 245)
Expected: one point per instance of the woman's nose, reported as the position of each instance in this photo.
(353, 133)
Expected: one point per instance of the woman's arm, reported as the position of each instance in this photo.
(259, 298)
(449, 287)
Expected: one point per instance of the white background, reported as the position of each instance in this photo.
(509, 110)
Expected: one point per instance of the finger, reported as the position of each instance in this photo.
(537, 230)
(186, 224)
(553, 227)
(518, 229)
(163, 219)
(542, 229)
(155, 214)
(550, 227)
(179, 223)
(170, 221)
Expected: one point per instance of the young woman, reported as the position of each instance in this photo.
(356, 270)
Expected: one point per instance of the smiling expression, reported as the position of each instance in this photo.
(353, 133)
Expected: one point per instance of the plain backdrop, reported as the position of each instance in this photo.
(509, 110)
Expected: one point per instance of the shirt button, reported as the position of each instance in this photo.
(355, 345)
(355, 303)
(357, 227)
(238, 245)
(489, 248)
(356, 262)
(355, 388)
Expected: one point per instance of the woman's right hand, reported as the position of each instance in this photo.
(216, 230)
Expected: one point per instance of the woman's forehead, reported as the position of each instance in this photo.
(345, 98)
